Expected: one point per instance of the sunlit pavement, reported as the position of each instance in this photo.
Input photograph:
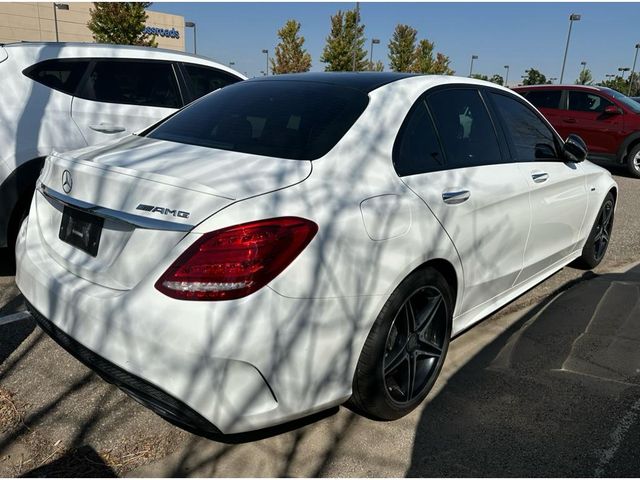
(550, 386)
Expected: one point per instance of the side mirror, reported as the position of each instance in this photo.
(574, 149)
(612, 110)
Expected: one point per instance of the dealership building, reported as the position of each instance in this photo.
(35, 21)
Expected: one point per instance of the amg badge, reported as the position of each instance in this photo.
(162, 210)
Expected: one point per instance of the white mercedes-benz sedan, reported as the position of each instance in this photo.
(295, 242)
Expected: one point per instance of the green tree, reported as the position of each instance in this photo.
(423, 61)
(441, 67)
(402, 48)
(479, 76)
(634, 80)
(120, 23)
(497, 79)
(339, 47)
(290, 55)
(618, 84)
(584, 78)
(534, 77)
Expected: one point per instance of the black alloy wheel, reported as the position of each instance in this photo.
(415, 344)
(599, 238)
(406, 347)
(604, 224)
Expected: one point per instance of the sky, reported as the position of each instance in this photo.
(521, 35)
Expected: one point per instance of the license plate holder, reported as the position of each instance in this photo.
(81, 230)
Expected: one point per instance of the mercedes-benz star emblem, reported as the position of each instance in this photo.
(67, 182)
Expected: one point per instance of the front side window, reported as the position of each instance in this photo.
(203, 80)
(417, 149)
(544, 98)
(587, 102)
(531, 139)
(466, 131)
(61, 74)
(291, 119)
(149, 84)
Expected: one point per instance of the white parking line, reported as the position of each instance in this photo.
(617, 436)
(14, 317)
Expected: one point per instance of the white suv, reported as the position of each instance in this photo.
(64, 96)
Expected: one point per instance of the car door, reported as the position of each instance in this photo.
(586, 117)
(123, 96)
(558, 189)
(449, 154)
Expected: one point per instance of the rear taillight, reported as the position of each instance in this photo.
(236, 261)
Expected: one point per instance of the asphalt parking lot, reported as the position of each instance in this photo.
(548, 386)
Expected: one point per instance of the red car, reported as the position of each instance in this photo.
(608, 121)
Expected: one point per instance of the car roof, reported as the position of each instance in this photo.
(369, 81)
(81, 49)
(560, 87)
(364, 81)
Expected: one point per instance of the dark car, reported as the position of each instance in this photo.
(608, 121)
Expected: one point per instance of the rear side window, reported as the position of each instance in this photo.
(417, 149)
(545, 98)
(62, 74)
(203, 80)
(587, 102)
(531, 139)
(465, 128)
(287, 119)
(150, 84)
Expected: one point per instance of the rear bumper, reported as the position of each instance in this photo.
(232, 367)
(144, 392)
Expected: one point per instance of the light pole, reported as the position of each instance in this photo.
(473, 57)
(58, 6)
(192, 25)
(552, 79)
(265, 51)
(231, 64)
(574, 17)
(374, 41)
(506, 77)
(633, 70)
(263, 74)
(623, 69)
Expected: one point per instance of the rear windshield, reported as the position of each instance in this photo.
(287, 119)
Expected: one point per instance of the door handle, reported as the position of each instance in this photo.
(539, 177)
(456, 196)
(569, 120)
(107, 128)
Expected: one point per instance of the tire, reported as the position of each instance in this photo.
(402, 347)
(633, 161)
(598, 240)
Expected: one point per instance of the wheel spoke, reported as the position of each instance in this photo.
(608, 212)
(602, 246)
(429, 349)
(411, 376)
(411, 316)
(394, 361)
(428, 314)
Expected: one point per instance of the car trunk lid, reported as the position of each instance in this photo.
(148, 194)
